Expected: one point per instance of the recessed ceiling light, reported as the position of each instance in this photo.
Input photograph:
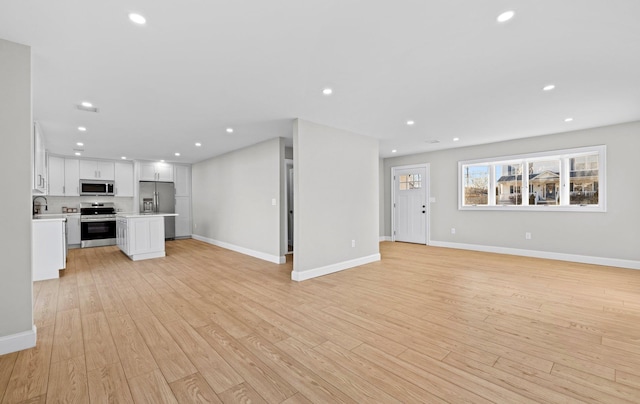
(229, 130)
(177, 154)
(568, 119)
(78, 153)
(327, 91)
(86, 104)
(137, 18)
(394, 151)
(506, 16)
(123, 158)
(548, 87)
(455, 139)
(80, 144)
(82, 129)
(162, 161)
(198, 144)
(410, 123)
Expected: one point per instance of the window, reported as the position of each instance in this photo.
(410, 181)
(476, 184)
(508, 184)
(570, 180)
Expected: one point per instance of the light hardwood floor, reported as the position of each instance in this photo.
(423, 325)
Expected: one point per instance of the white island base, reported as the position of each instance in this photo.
(141, 236)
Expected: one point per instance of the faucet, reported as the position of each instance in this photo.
(37, 210)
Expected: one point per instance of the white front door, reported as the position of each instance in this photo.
(410, 204)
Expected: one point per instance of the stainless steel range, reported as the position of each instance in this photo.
(97, 224)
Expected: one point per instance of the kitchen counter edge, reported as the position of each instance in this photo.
(140, 215)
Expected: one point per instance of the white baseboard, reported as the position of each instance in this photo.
(385, 238)
(585, 259)
(329, 269)
(242, 250)
(18, 342)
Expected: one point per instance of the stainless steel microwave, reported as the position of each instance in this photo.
(96, 188)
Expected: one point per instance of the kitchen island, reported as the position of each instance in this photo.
(141, 235)
(48, 246)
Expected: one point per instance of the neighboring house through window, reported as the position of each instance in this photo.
(557, 180)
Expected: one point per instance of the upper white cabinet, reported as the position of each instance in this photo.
(71, 177)
(156, 172)
(56, 176)
(39, 160)
(182, 179)
(124, 179)
(97, 170)
(63, 176)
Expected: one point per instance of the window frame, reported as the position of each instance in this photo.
(563, 156)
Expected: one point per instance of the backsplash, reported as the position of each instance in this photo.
(56, 203)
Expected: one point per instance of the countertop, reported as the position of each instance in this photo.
(51, 217)
(132, 215)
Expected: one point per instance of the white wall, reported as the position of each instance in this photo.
(232, 200)
(16, 313)
(336, 183)
(612, 235)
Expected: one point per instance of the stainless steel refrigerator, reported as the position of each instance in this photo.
(159, 197)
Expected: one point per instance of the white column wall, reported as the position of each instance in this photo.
(16, 306)
(336, 183)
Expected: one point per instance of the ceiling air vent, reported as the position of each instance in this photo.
(433, 141)
(87, 109)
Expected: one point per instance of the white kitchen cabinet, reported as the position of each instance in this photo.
(124, 179)
(73, 230)
(48, 248)
(183, 220)
(141, 237)
(39, 161)
(122, 239)
(97, 170)
(55, 168)
(63, 176)
(71, 177)
(182, 179)
(156, 172)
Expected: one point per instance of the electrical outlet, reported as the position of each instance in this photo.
(195, 225)
(527, 236)
(353, 243)
(453, 230)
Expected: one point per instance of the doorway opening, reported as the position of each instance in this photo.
(288, 184)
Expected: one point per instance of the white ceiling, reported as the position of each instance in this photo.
(198, 67)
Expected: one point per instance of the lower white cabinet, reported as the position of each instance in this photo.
(183, 220)
(141, 237)
(73, 230)
(48, 249)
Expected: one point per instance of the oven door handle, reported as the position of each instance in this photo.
(98, 220)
